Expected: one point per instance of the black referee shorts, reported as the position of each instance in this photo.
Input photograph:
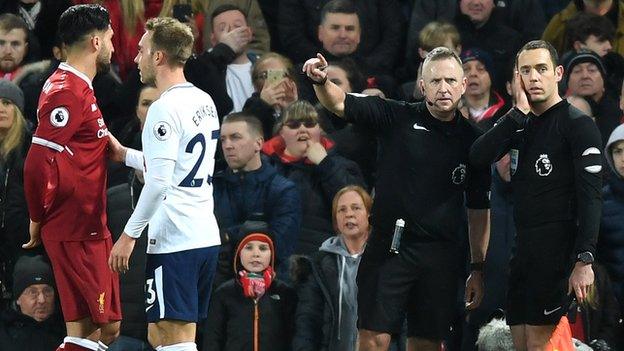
(419, 283)
(538, 281)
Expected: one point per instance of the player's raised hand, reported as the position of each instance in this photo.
(116, 151)
(35, 235)
(119, 260)
(314, 68)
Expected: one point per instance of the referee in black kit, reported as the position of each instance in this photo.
(424, 178)
(555, 166)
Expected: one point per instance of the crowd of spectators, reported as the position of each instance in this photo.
(286, 161)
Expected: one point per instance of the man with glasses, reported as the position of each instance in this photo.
(30, 322)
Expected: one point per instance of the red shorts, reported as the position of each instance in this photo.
(86, 285)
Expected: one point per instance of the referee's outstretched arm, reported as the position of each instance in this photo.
(329, 94)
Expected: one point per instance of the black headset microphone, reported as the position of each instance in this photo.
(428, 102)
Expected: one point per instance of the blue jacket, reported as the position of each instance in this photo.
(610, 249)
(243, 195)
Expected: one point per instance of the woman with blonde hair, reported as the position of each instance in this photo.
(302, 153)
(14, 143)
(273, 78)
(326, 313)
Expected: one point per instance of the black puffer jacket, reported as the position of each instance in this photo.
(317, 185)
(230, 323)
(14, 218)
(121, 201)
(20, 332)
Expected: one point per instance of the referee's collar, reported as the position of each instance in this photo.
(66, 67)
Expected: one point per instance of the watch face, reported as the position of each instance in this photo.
(586, 257)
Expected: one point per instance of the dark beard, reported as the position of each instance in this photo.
(102, 67)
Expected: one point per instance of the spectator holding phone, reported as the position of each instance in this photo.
(275, 90)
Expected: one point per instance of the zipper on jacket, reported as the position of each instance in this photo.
(256, 326)
(4, 199)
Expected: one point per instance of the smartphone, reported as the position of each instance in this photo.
(275, 76)
(181, 11)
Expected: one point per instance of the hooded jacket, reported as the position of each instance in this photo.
(611, 238)
(326, 317)
(317, 186)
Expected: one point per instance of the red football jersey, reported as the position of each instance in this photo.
(65, 170)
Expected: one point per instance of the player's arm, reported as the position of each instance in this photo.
(119, 153)
(584, 140)
(160, 156)
(59, 118)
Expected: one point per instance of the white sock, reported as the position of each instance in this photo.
(102, 346)
(86, 343)
(183, 346)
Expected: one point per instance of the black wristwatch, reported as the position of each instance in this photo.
(585, 257)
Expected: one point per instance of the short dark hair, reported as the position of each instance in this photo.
(338, 6)
(584, 24)
(225, 8)
(9, 21)
(253, 124)
(540, 44)
(80, 20)
(354, 75)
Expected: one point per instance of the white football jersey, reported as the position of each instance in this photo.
(183, 126)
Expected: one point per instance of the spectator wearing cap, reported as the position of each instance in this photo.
(14, 143)
(481, 103)
(31, 322)
(255, 310)
(585, 76)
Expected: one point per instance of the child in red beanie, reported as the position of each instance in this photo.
(255, 311)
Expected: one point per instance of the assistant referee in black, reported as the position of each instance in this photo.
(424, 178)
(556, 164)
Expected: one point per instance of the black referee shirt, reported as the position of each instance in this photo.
(555, 165)
(423, 173)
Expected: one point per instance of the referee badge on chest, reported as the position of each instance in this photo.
(543, 166)
(459, 174)
(513, 160)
